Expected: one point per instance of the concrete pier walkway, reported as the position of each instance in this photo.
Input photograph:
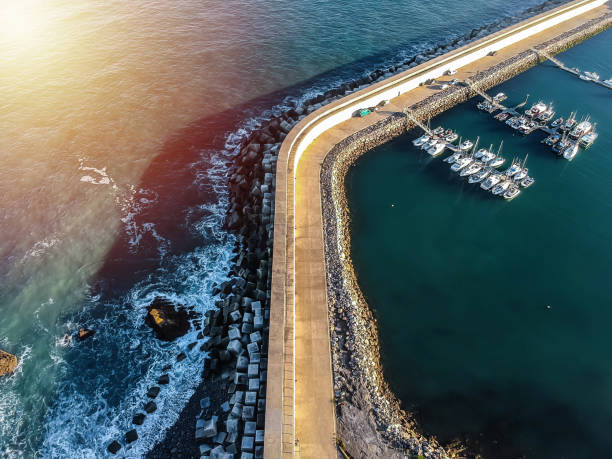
(300, 411)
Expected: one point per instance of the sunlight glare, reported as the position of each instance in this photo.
(20, 21)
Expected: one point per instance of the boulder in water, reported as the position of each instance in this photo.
(114, 447)
(85, 333)
(8, 363)
(168, 321)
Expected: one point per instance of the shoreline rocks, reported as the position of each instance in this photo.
(8, 363)
(168, 321)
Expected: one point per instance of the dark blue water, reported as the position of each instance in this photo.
(118, 120)
(494, 316)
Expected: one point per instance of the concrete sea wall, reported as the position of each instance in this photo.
(370, 422)
(244, 375)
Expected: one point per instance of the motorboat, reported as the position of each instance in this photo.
(536, 109)
(466, 145)
(607, 83)
(503, 116)
(497, 161)
(570, 152)
(589, 76)
(461, 163)
(520, 175)
(487, 156)
(588, 139)
(421, 140)
(452, 158)
(500, 97)
(547, 115)
(512, 193)
(514, 168)
(528, 127)
(471, 169)
(451, 137)
(569, 123)
(491, 181)
(551, 140)
(436, 149)
(430, 144)
(439, 130)
(501, 187)
(480, 152)
(561, 145)
(480, 175)
(527, 182)
(556, 123)
(581, 129)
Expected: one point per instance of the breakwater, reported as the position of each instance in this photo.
(369, 417)
(236, 334)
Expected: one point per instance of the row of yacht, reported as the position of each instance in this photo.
(593, 76)
(479, 166)
(568, 135)
(437, 141)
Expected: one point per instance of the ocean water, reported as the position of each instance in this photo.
(494, 316)
(117, 122)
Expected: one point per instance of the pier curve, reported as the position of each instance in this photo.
(300, 405)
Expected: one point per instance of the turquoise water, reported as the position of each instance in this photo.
(494, 316)
(117, 122)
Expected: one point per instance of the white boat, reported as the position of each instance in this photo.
(480, 176)
(512, 193)
(450, 138)
(556, 123)
(527, 182)
(520, 175)
(454, 157)
(501, 187)
(588, 139)
(581, 129)
(589, 76)
(491, 181)
(488, 156)
(439, 130)
(430, 144)
(536, 109)
(466, 145)
(607, 83)
(500, 97)
(471, 169)
(480, 152)
(461, 163)
(570, 152)
(512, 170)
(436, 149)
(421, 140)
(569, 123)
(497, 161)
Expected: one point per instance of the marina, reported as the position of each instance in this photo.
(565, 136)
(476, 164)
(538, 246)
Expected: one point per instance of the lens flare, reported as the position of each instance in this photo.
(20, 22)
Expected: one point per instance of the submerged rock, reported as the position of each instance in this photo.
(85, 333)
(8, 363)
(167, 321)
(114, 447)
